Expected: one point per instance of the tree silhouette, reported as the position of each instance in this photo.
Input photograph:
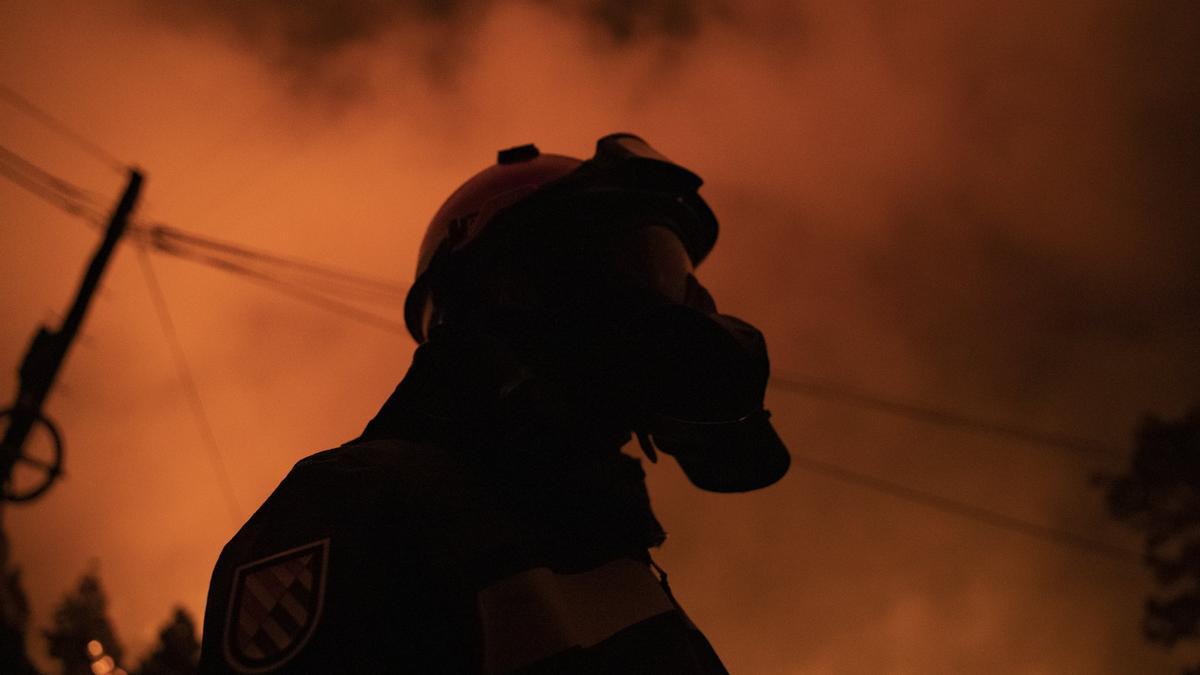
(14, 617)
(81, 618)
(177, 651)
(1160, 497)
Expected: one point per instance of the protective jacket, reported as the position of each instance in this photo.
(433, 545)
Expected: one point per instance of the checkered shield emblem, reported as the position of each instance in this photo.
(275, 606)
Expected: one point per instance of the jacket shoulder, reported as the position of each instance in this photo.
(393, 484)
(366, 512)
(395, 466)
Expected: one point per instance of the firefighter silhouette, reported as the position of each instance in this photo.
(486, 520)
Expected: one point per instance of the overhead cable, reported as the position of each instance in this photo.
(315, 298)
(61, 128)
(322, 286)
(824, 389)
(969, 511)
(179, 242)
(196, 403)
(57, 191)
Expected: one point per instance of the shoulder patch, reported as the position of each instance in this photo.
(274, 606)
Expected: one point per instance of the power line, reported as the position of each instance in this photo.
(61, 128)
(32, 185)
(223, 255)
(824, 389)
(43, 176)
(78, 202)
(969, 511)
(311, 297)
(173, 240)
(199, 412)
(45, 185)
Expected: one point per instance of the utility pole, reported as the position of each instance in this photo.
(44, 359)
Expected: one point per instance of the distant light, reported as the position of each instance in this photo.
(103, 666)
(95, 648)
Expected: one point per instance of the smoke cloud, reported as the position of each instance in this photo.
(984, 206)
(312, 42)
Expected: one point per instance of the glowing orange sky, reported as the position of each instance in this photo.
(966, 206)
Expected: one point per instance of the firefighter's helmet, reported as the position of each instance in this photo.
(538, 196)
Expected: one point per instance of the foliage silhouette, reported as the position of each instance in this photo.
(1160, 497)
(81, 617)
(178, 649)
(14, 617)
